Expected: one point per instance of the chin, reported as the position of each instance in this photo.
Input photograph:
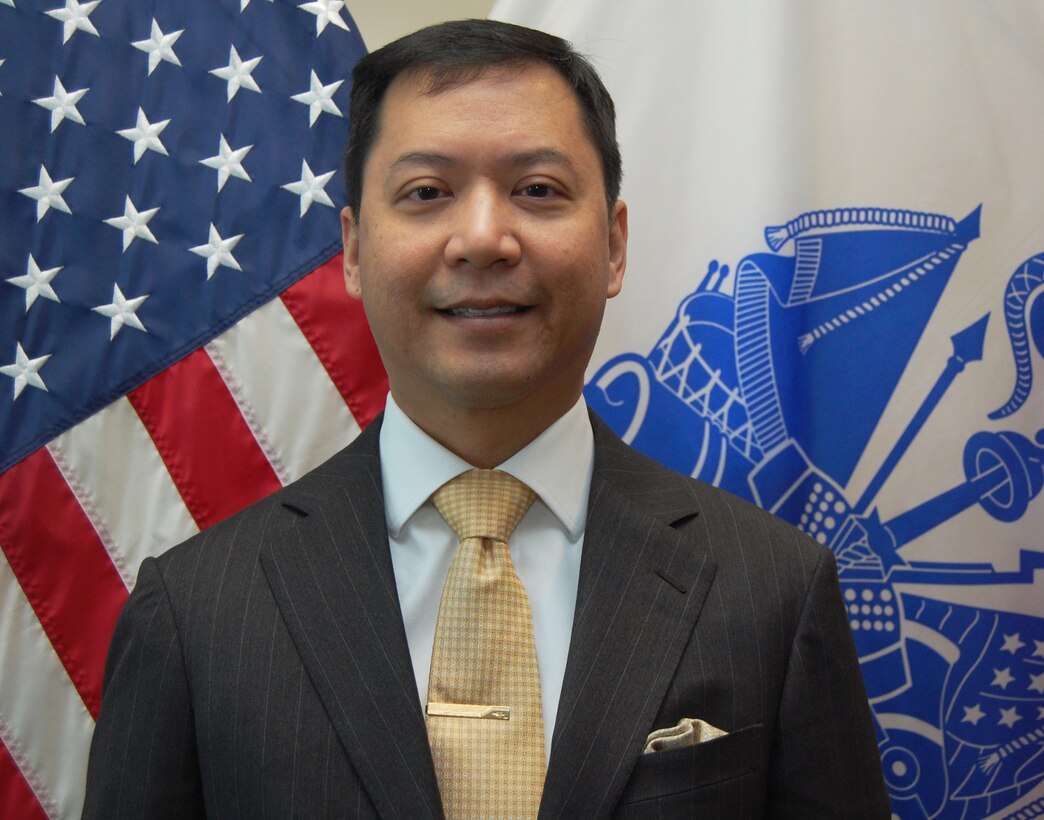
(484, 393)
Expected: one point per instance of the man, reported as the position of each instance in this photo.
(278, 663)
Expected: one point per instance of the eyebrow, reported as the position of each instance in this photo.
(517, 160)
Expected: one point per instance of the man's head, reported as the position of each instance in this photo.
(482, 244)
(456, 52)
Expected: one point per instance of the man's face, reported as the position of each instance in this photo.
(484, 252)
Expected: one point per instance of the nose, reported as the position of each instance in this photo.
(483, 231)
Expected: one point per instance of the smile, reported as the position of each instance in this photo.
(470, 313)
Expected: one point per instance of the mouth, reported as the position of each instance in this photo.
(479, 313)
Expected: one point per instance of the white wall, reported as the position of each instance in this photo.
(381, 21)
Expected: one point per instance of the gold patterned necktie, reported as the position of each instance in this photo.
(484, 717)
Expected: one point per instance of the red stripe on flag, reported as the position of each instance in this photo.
(336, 328)
(210, 452)
(17, 798)
(62, 567)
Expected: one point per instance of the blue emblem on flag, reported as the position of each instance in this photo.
(770, 382)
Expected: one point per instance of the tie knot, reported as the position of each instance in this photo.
(483, 504)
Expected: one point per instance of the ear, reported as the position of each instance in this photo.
(350, 240)
(617, 248)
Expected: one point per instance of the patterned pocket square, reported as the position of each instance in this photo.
(688, 732)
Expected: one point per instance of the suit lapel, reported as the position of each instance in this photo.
(330, 572)
(641, 589)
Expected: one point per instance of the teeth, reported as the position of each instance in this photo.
(472, 312)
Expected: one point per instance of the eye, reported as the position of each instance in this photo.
(538, 190)
(425, 193)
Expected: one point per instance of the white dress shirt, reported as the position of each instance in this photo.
(545, 547)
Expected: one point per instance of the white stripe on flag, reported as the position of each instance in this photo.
(287, 397)
(123, 486)
(44, 722)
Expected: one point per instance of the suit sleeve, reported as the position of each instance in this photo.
(825, 758)
(143, 755)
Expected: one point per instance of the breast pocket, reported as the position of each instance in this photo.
(726, 773)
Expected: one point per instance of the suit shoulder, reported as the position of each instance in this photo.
(683, 502)
(245, 530)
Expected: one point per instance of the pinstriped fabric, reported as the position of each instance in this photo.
(690, 604)
(256, 740)
(484, 654)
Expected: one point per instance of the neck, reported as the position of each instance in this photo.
(484, 436)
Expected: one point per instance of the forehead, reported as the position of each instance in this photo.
(525, 105)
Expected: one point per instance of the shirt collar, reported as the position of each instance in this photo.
(557, 465)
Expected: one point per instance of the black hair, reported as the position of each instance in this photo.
(458, 52)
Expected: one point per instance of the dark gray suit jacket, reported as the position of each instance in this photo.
(261, 668)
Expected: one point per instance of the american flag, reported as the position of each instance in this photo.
(175, 339)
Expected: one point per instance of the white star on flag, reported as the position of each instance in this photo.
(121, 311)
(62, 104)
(48, 194)
(1009, 717)
(228, 162)
(1002, 677)
(972, 715)
(75, 16)
(1037, 684)
(36, 283)
(218, 251)
(319, 98)
(326, 12)
(160, 46)
(237, 73)
(1012, 643)
(25, 371)
(310, 188)
(133, 223)
(145, 136)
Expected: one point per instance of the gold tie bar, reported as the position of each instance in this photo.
(469, 710)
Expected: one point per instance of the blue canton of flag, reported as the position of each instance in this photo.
(119, 122)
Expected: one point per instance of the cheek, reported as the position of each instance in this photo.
(393, 299)
(396, 262)
(378, 273)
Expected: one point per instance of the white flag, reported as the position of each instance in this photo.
(834, 306)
